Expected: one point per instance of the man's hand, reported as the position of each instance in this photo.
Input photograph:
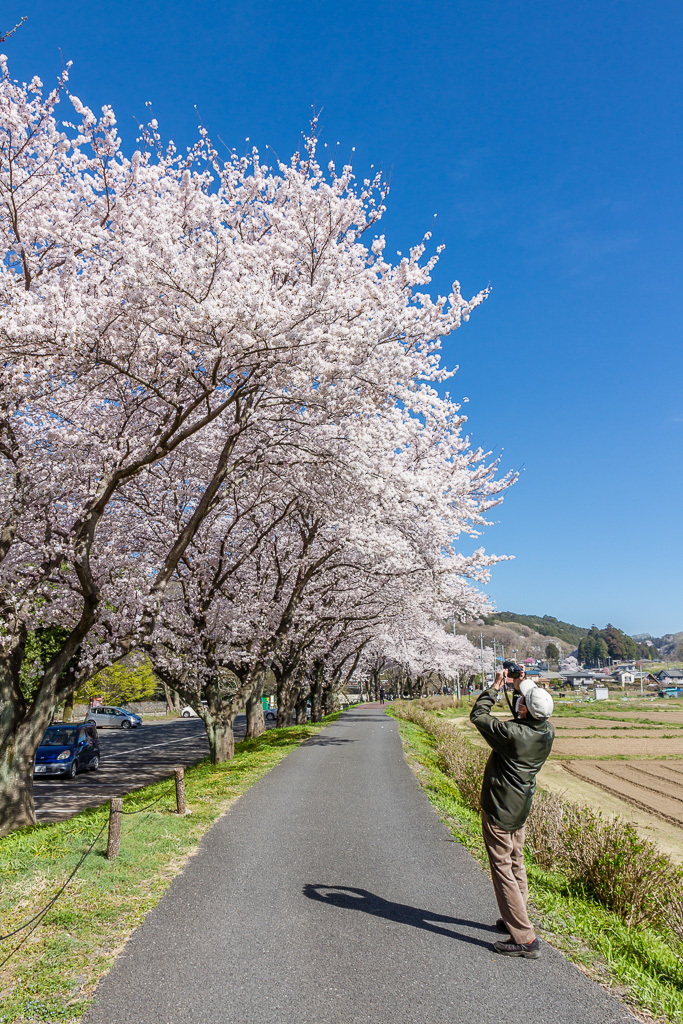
(499, 680)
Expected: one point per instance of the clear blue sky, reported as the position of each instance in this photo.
(547, 138)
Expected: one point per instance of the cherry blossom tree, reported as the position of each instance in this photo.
(169, 308)
(294, 573)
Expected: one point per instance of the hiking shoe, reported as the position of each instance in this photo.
(530, 950)
(501, 926)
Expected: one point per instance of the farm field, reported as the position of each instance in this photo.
(610, 744)
(654, 786)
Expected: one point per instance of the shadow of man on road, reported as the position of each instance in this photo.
(349, 898)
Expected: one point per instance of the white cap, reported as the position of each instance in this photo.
(539, 702)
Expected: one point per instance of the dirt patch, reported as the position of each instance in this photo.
(627, 737)
(647, 713)
(626, 781)
(580, 722)
(611, 745)
(648, 775)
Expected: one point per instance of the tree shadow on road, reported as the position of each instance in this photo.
(357, 717)
(325, 741)
(349, 898)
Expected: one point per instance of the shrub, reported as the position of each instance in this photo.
(546, 838)
(618, 868)
(413, 713)
(442, 703)
(464, 762)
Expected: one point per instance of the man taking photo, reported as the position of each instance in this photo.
(519, 749)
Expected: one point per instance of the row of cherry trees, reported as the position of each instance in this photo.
(221, 438)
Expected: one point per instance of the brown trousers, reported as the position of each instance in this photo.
(506, 857)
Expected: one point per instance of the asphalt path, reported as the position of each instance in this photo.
(130, 759)
(331, 892)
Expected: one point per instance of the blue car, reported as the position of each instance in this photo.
(67, 749)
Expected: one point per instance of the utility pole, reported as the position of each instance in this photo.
(481, 646)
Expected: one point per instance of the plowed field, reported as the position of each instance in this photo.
(652, 785)
(611, 744)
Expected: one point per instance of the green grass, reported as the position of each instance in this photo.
(53, 975)
(638, 965)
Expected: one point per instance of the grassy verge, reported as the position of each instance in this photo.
(638, 965)
(51, 978)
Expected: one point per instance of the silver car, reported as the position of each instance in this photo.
(113, 718)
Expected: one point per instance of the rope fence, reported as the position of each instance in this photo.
(113, 845)
(41, 913)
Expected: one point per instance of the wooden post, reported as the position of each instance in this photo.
(180, 790)
(114, 841)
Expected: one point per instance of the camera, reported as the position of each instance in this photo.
(514, 671)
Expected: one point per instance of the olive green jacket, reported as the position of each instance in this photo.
(518, 752)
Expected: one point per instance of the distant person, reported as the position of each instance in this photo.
(381, 695)
(519, 749)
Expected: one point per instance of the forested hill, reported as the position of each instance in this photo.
(546, 625)
(594, 645)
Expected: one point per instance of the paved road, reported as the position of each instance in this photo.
(131, 758)
(332, 893)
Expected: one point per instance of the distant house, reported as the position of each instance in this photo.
(581, 677)
(669, 677)
(624, 676)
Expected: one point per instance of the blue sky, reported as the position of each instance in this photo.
(546, 136)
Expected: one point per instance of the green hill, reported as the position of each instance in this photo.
(546, 625)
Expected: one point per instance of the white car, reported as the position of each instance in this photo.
(188, 712)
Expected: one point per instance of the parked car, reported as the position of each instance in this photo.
(270, 714)
(188, 712)
(113, 718)
(67, 748)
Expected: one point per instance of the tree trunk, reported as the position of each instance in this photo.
(286, 700)
(256, 723)
(301, 707)
(167, 695)
(374, 684)
(329, 701)
(221, 738)
(17, 806)
(68, 714)
(172, 700)
(317, 693)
